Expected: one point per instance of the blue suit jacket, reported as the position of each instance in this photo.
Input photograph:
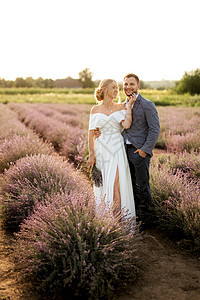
(145, 128)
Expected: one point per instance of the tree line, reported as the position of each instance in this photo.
(189, 83)
(28, 82)
(85, 79)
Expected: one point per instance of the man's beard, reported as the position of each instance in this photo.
(129, 95)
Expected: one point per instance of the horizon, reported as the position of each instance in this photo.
(163, 79)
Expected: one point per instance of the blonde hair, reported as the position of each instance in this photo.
(100, 91)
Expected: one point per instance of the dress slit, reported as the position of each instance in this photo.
(116, 185)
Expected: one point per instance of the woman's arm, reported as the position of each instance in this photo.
(92, 159)
(128, 119)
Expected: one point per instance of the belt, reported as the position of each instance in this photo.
(129, 146)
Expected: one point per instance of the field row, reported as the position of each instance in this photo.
(180, 126)
(180, 129)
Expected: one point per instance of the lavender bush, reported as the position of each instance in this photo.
(186, 162)
(75, 148)
(21, 109)
(162, 139)
(9, 124)
(70, 141)
(70, 117)
(30, 181)
(180, 143)
(67, 251)
(176, 202)
(180, 129)
(19, 146)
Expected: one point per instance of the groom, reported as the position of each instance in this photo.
(140, 139)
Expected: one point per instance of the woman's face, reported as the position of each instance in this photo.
(112, 90)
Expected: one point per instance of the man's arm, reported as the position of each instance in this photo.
(152, 119)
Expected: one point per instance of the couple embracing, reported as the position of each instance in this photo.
(121, 139)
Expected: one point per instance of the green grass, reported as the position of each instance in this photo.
(86, 96)
(25, 91)
(48, 98)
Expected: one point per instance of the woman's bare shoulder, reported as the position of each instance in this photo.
(121, 106)
(94, 109)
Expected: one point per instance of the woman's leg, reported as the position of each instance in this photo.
(116, 193)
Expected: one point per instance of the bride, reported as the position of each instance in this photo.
(107, 151)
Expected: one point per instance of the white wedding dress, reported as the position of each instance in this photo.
(110, 153)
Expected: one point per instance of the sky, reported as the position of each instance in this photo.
(155, 39)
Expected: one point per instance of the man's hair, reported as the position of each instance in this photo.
(132, 75)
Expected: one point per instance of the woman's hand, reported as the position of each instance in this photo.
(132, 100)
(91, 161)
(97, 132)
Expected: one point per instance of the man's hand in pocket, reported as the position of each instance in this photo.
(141, 153)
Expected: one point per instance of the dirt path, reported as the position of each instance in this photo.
(168, 273)
(8, 283)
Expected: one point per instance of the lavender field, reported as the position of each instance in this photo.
(47, 199)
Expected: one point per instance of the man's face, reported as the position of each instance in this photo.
(130, 86)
